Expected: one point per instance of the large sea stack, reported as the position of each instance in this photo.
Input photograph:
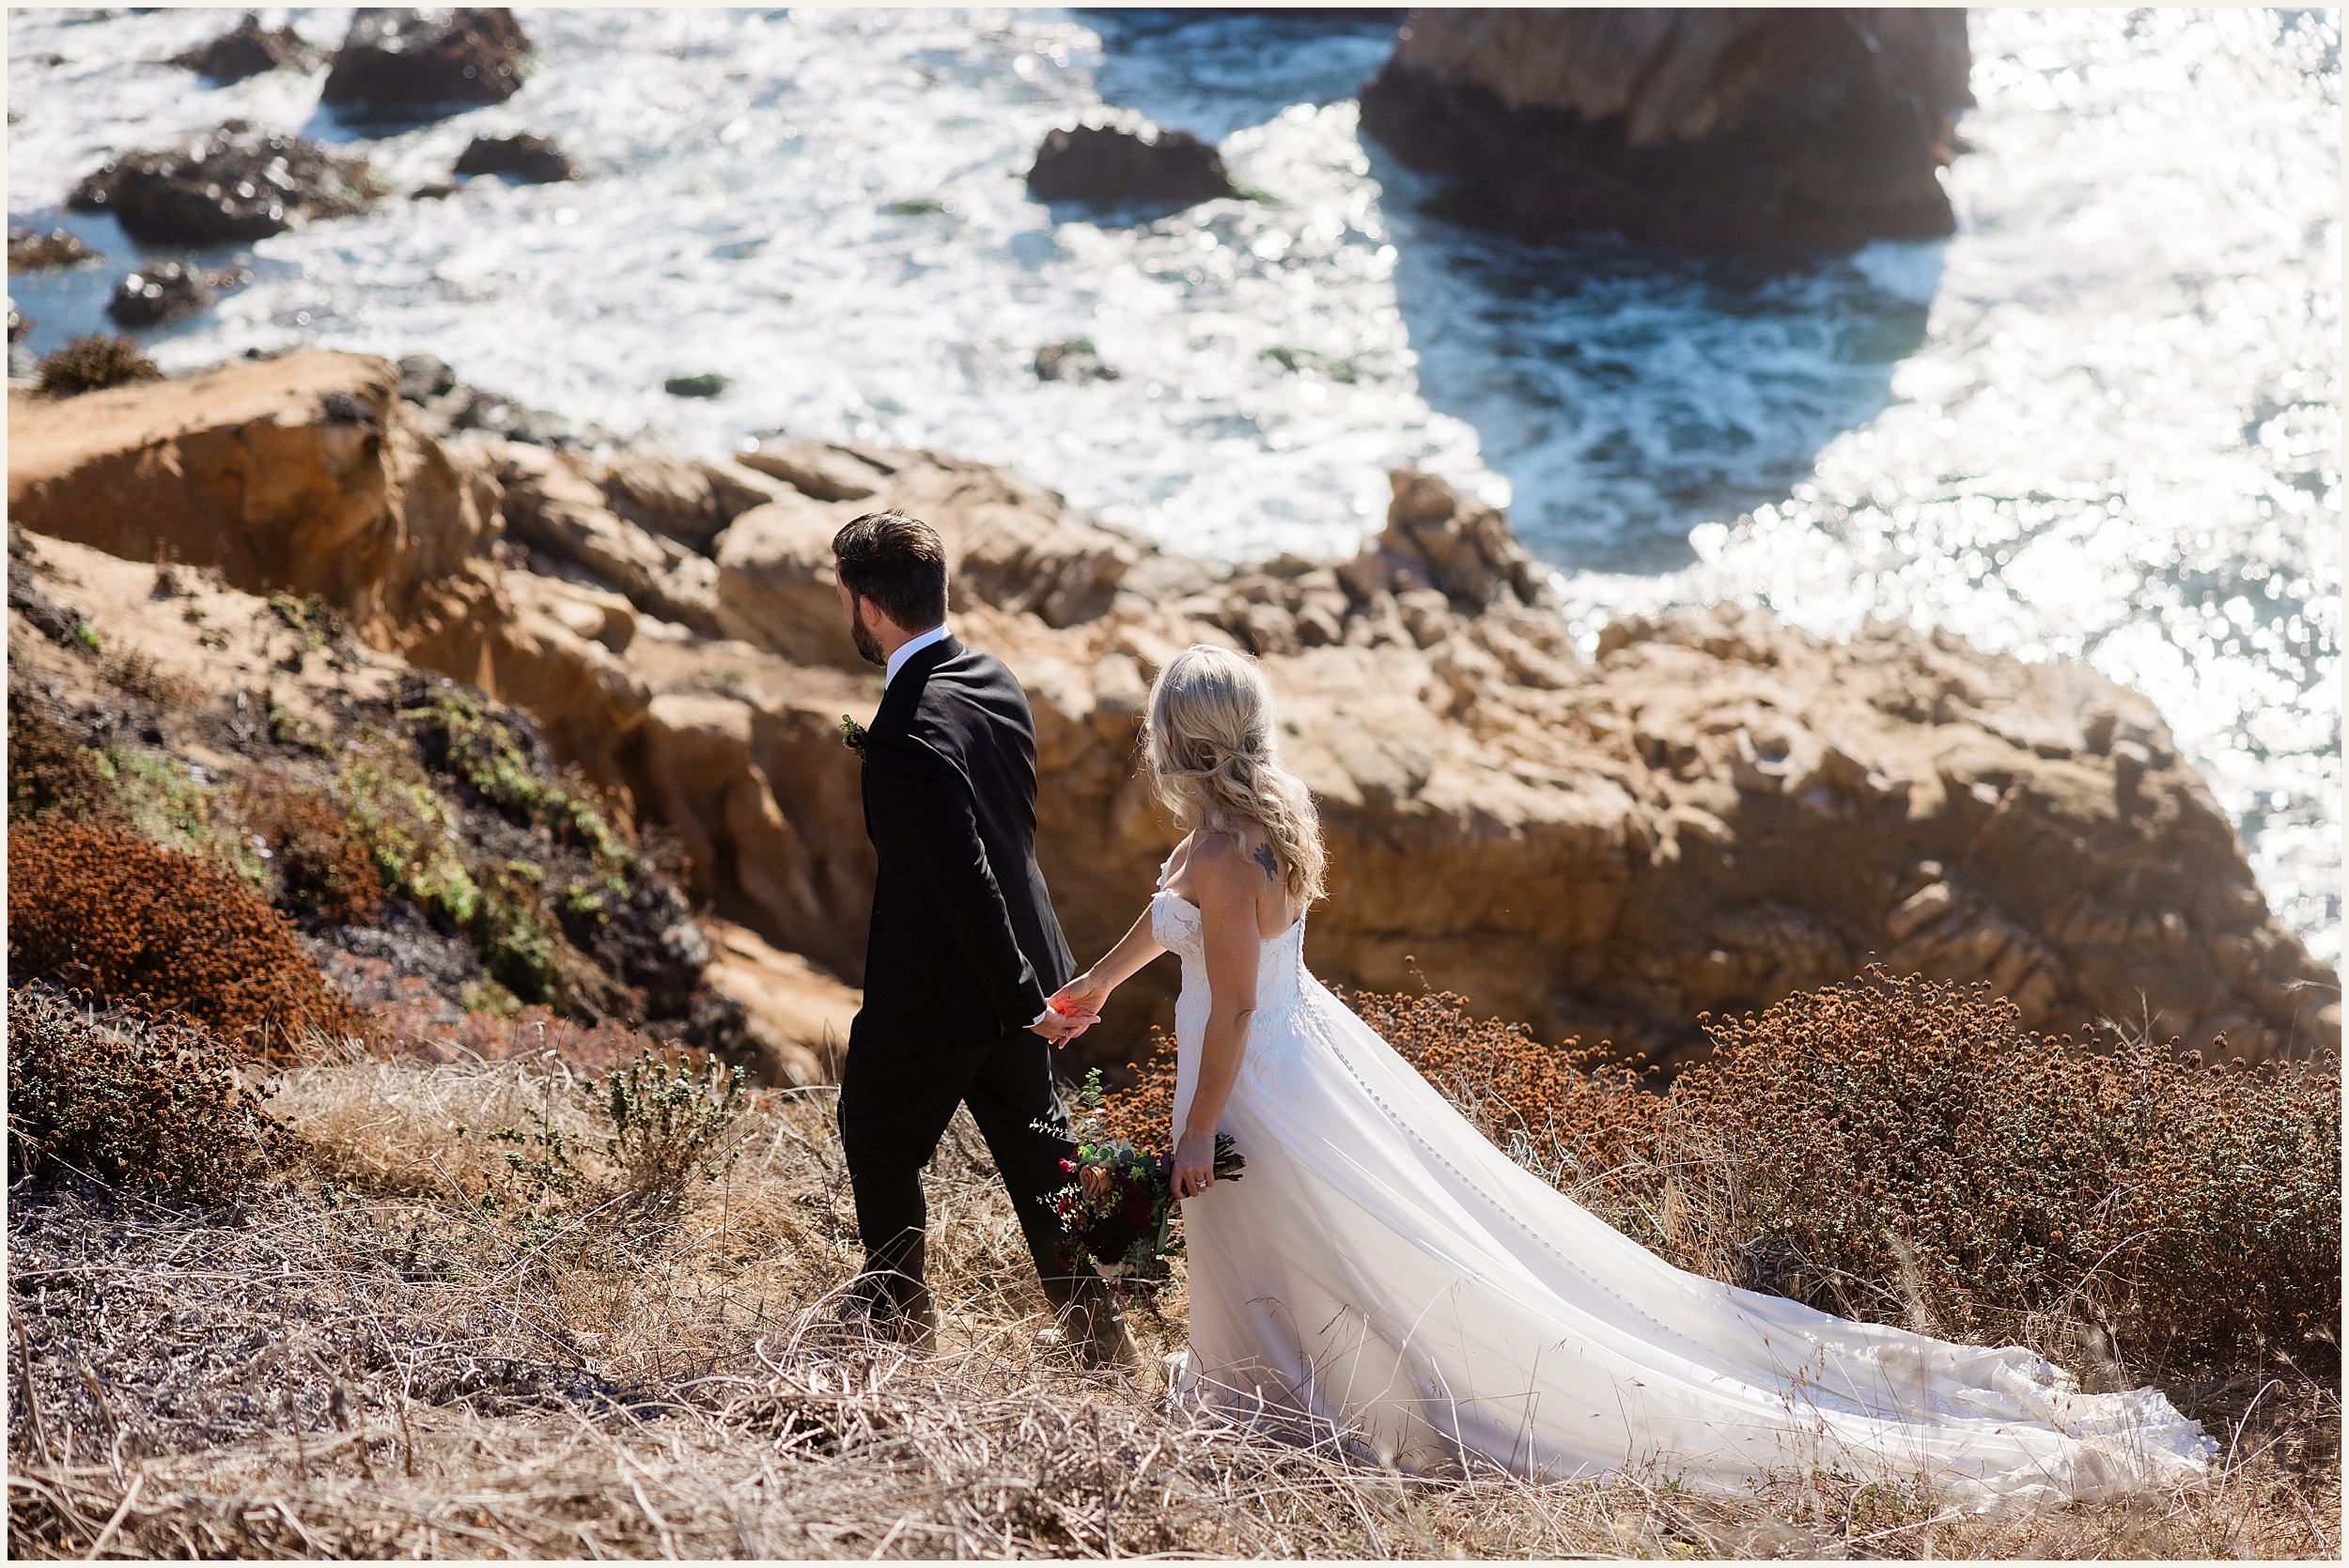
(1713, 129)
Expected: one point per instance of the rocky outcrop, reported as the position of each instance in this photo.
(32, 251)
(531, 159)
(400, 64)
(236, 185)
(1706, 128)
(1710, 811)
(1137, 162)
(796, 1016)
(301, 474)
(1076, 360)
(1011, 545)
(825, 471)
(248, 48)
(642, 525)
(294, 473)
(163, 291)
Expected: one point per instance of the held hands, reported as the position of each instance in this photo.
(1059, 1027)
(1195, 1164)
(1073, 1009)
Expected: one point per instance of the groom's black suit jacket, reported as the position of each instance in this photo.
(964, 947)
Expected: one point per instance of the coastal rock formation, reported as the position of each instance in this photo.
(163, 291)
(398, 64)
(248, 48)
(1711, 812)
(796, 1017)
(235, 185)
(294, 473)
(1704, 128)
(1076, 360)
(642, 525)
(31, 250)
(816, 469)
(532, 160)
(1102, 165)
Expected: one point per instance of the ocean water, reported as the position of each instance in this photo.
(2101, 422)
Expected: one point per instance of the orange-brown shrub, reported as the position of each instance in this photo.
(1562, 1108)
(322, 868)
(1905, 1152)
(1955, 1167)
(158, 1105)
(99, 910)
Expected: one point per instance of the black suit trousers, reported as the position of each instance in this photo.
(894, 1107)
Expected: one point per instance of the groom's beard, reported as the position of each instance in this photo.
(866, 643)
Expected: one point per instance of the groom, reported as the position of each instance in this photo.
(963, 949)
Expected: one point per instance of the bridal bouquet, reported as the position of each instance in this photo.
(1125, 1232)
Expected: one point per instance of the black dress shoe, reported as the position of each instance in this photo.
(887, 1308)
(1090, 1325)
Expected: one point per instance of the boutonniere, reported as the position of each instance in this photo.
(852, 734)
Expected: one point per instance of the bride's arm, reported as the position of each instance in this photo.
(1088, 991)
(1227, 884)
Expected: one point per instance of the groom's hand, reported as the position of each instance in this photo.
(1058, 1028)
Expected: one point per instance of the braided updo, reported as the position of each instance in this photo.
(1208, 743)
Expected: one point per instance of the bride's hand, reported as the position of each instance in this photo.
(1081, 998)
(1195, 1164)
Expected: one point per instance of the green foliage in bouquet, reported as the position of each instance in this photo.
(1125, 1233)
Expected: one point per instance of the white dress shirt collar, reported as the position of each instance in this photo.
(908, 648)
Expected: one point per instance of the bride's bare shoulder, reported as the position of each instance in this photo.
(1220, 861)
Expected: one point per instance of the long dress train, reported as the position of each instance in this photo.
(1384, 1269)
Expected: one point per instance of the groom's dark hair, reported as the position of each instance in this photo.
(898, 562)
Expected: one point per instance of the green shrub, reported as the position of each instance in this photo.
(665, 1124)
(519, 946)
(669, 1127)
(456, 732)
(410, 833)
(156, 1106)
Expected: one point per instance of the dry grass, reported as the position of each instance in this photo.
(368, 1361)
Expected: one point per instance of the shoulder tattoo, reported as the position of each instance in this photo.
(1264, 857)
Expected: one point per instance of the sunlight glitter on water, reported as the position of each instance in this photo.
(2101, 422)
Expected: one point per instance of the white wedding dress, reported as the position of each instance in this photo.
(1382, 1272)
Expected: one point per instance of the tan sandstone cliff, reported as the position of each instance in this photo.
(1712, 813)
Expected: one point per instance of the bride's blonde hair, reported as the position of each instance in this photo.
(1208, 743)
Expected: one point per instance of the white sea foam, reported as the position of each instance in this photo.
(2101, 422)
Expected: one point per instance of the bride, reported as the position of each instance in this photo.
(1385, 1271)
